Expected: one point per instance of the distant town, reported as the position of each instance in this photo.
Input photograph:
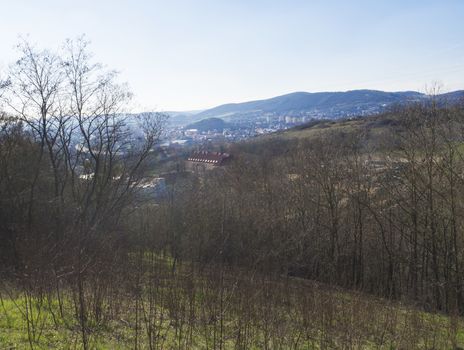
(251, 125)
(237, 121)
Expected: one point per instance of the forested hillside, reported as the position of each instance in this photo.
(335, 235)
(374, 205)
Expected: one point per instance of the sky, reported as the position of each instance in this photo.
(196, 54)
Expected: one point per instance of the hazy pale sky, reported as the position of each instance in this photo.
(183, 55)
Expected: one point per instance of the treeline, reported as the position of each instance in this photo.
(374, 209)
(70, 165)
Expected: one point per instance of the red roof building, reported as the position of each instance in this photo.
(213, 158)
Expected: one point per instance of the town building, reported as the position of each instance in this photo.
(206, 160)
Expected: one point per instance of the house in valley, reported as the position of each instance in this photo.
(206, 160)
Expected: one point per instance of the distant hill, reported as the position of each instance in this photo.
(209, 124)
(452, 97)
(320, 104)
(181, 118)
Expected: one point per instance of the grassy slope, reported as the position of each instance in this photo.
(375, 125)
(284, 314)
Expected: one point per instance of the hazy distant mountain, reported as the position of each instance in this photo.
(209, 124)
(453, 97)
(326, 104)
(183, 117)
